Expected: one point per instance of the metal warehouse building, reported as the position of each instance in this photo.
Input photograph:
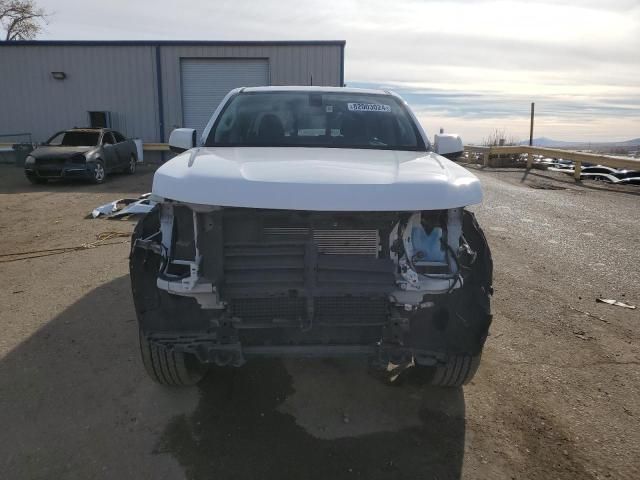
(146, 88)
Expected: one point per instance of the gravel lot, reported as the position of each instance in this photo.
(557, 394)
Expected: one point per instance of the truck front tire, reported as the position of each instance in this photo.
(456, 372)
(168, 367)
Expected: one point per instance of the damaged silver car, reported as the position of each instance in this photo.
(81, 153)
(316, 222)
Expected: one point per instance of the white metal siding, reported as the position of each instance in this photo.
(206, 81)
(123, 80)
(116, 79)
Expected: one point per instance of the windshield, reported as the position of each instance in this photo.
(74, 139)
(316, 119)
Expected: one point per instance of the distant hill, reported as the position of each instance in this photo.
(551, 143)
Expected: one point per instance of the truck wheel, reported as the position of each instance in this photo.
(458, 371)
(168, 367)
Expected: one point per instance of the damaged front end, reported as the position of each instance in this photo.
(224, 284)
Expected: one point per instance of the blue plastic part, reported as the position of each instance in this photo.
(427, 247)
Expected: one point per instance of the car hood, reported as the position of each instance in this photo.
(324, 179)
(59, 152)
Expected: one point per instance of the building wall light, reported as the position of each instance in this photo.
(59, 75)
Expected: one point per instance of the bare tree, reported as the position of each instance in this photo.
(21, 19)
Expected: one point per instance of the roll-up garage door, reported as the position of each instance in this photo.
(206, 81)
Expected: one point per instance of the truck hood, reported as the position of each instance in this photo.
(322, 179)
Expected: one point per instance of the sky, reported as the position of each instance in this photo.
(468, 66)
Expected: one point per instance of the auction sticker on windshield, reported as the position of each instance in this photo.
(368, 107)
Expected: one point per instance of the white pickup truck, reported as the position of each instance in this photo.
(311, 221)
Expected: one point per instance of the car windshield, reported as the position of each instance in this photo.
(316, 119)
(74, 139)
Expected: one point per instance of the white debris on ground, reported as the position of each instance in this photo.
(616, 303)
(124, 207)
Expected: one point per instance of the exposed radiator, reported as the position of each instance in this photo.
(327, 310)
(332, 242)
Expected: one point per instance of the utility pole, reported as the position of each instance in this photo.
(531, 127)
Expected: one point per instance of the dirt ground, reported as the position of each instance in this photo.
(557, 395)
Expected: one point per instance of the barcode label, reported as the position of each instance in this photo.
(368, 107)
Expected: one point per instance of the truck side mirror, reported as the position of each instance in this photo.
(182, 139)
(448, 145)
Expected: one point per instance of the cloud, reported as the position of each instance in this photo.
(475, 61)
(475, 114)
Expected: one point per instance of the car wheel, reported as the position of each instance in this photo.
(168, 367)
(131, 167)
(99, 173)
(456, 372)
(37, 180)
